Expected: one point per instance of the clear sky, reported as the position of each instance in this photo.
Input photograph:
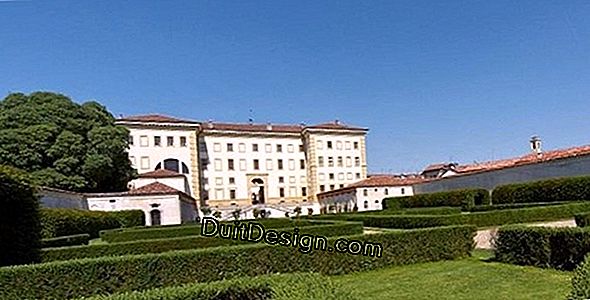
(433, 80)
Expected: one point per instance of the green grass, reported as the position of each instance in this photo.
(471, 278)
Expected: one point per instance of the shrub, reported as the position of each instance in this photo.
(480, 219)
(583, 219)
(146, 233)
(513, 206)
(581, 281)
(182, 243)
(546, 247)
(68, 240)
(20, 228)
(85, 277)
(63, 221)
(562, 189)
(444, 210)
(464, 198)
(298, 286)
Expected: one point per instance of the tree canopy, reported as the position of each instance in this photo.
(63, 144)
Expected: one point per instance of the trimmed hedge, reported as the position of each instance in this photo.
(68, 240)
(85, 277)
(514, 206)
(63, 221)
(443, 210)
(464, 198)
(182, 243)
(298, 286)
(553, 190)
(162, 232)
(581, 282)
(583, 219)
(20, 227)
(546, 247)
(480, 219)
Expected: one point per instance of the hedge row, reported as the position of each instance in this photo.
(63, 221)
(559, 248)
(68, 240)
(297, 286)
(583, 219)
(553, 190)
(20, 228)
(580, 289)
(443, 210)
(514, 205)
(464, 198)
(480, 219)
(182, 243)
(146, 233)
(85, 277)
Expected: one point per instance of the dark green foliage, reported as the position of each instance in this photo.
(68, 240)
(581, 282)
(562, 189)
(464, 198)
(559, 248)
(480, 219)
(85, 277)
(583, 219)
(513, 206)
(443, 210)
(63, 144)
(182, 243)
(298, 286)
(160, 232)
(20, 228)
(64, 221)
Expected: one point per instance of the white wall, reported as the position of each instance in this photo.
(372, 195)
(169, 206)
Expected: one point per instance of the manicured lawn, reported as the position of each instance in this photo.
(470, 278)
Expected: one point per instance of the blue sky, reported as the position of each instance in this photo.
(433, 80)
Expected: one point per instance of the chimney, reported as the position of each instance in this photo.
(536, 145)
(337, 122)
(268, 126)
(210, 124)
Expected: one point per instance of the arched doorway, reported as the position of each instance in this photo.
(257, 191)
(156, 217)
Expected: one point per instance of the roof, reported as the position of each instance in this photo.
(378, 181)
(435, 167)
(252, 127)
(160, 173)
(155, 118)
(336, 125)
(152, 189)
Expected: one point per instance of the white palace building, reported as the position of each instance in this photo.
(233, 167)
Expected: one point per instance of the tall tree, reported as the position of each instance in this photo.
(64, 144)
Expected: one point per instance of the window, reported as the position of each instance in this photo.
(320, 144)
(322, 188)
(329, 144)
(242, 165)
(331, 176)
(291, 164)
(269, 164)
(347, 145)
(281, 192)
(302, 179)
(330, 161)
(157, 141)
(321, 176)
(292, 191)
(254, 147)
(290, 148)
(358, 175)
(386, 191)
(340, 176)
(332, 187)
(170, 141)
(366, 204)
(292, 179)
(130, 140)
(349, 176)
(232, 194)
(155, 217)
(304, 191)
(219, 194)
(301, 148)
(218, 165)
(143, 141)
(403, 191)
(182, 141)
(339, 145)
(281, 179)
(230, 164)
(230, 147)
(145, 162)
(357, 161)
(356, 145)
(242, 147)
(268, 148)
(302, 164)
(365, 192)
(218, 180)
(217, 147)
(280, 164)
(204, 163)
(340, 163)
(256, 164)
(279, 148)
(349, 161)
(341, 185)
(320, 161)
(232, 180)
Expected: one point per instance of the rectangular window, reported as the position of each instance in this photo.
(219, 194)
(358, 175)
(329, 144)
(145, 162)
(230, 164)
(302, 164)
(281, 192)
(349, 161)
(386, 191)
(341, 186)
(403, 191)
(340, 163)
(330, 161)
(130, 140)
(280, 164)
(254, 147)
(182, 141)
(279, 148)
(291, 164)
(170, 141)
(242, 147)
(302, 179)
(321, 176)
(217, 147)
(143, 141)
(232, 180)
(157, 141)
(301, 148)
(365, 192)
(269, 164)
(356, 145)
(219, 181)
(339, 145)
(292, 191)
(232, 194)
(332, 187)
(347, 145)
(320, 161)
(268, 148)
(349, 176)
(340, 176)
(357, 161)
(331, 176)
(322, 188)
(230, 147)
(256, 164)
(242, 165)
(281, 179)
(320, 144)
(304, 191)
(290, 148)
(218, 165)
(204, 163)
(292, 179)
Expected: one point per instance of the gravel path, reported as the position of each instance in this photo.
(483, 238)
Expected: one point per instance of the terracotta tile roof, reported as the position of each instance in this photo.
(152, 189)
(524, 160)
(435, 167)
(155, 118)
(337, 125)
(252, 127)
(161, 173)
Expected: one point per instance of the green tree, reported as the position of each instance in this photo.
(64, 144)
